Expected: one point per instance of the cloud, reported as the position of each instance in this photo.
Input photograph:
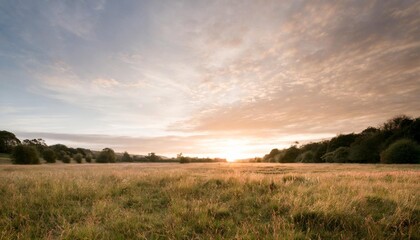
(105, 83)
(218, 70)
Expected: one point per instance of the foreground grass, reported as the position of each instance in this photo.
(210, 201)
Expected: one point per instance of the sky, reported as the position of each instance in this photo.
(231, 79)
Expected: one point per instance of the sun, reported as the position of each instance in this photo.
(233, 151)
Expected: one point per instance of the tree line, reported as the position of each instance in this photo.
(35, 150)
(395, 141)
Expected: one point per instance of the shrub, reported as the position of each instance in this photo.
(106, 156)
(66, 158)
(183, 159)
(340, 155)
(49, 156)
(289, 155)
(126, 157)
(25, 155)
(78, 157)
(402, 151)
(88, 158)
(306, 157)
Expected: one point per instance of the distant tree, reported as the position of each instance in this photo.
(367, 147)
(106, 156)
(49, 156)
(88, 158)
(369, 130)
(413, 131)
(34, 142)
(340, 155)
(72, 151)
(342, 140)
(8, 141)
(60, 150)
(182, 159)
(126, 157)
(23, 154)
(78, 157)
(82, 151)
(290, 155)
(152, 157)
(402, 151)
(306, 157)
(66, 158)
(38, 143)
(271, 156)
(397, 123)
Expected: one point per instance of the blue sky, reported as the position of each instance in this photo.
(209, 78)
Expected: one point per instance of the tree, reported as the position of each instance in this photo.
(106, 156)
(342, 140)
(402, 151)
(182, 159)
(66, 158)
(60, 150)
(306, 157)
(366, 148)
(88, 158)
(39, 144)
(49, 156)
(340, 155)
(78, 157)
(271, 156)
(397, 123)
(126, 157)
(152, 157)
(290, 155)
(8, 141)
(25, 155)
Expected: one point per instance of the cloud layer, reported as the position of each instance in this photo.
(179, 76)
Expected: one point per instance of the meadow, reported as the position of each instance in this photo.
(209, 201)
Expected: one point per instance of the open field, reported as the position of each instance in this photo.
(210, 201)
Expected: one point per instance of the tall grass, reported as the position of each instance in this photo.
(210, 201)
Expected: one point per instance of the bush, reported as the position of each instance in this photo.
(49, 156)
(78, 157)
(183, 159)
(66, 158)
(106, 156)
(126, 157)
(25, 155)
(402, 151)
(340, 155)
(290, 155)
(306, 157)
(88, 158)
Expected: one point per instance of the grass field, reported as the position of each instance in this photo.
(210, 201)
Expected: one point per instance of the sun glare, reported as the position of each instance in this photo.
(234, 150)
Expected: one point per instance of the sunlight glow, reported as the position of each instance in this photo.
(234, 150)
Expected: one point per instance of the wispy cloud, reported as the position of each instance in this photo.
(218, 70)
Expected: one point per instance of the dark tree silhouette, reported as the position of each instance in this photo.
(8, 141)
(126, 157)
(23, 154)
(106, 156)
(49, 156)
(402, 151)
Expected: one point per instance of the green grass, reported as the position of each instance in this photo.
(210, 201)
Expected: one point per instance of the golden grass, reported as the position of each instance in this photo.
(210, 201)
